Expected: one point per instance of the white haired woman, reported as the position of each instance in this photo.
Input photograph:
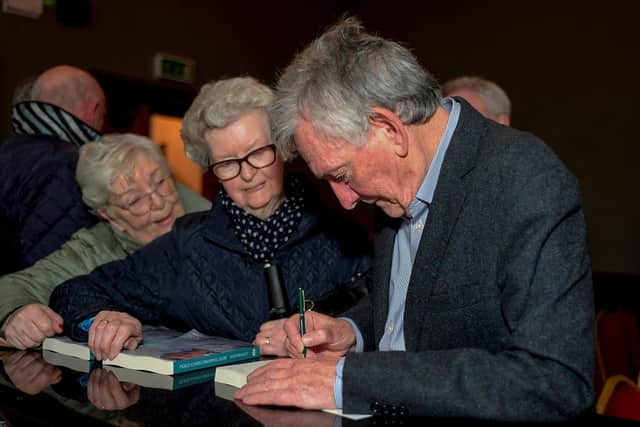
(208, 274)
(125, 180)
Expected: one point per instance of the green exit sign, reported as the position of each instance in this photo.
(173, 67)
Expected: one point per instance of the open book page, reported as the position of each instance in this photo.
(236, 376)
(349, 416)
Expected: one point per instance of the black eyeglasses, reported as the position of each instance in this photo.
(260, 158)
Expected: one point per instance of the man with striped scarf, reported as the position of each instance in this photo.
(40, 202)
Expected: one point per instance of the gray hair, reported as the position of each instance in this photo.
(340, 77)
(218, 104)
(494, 96)
(101, 161)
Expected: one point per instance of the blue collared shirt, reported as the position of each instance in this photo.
(405, 249)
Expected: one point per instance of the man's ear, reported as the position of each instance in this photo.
(394, 130)
(503, 119)
(104, 214)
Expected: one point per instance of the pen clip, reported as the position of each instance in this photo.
(308, 304)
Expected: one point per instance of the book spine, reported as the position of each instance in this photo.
(216, 359)
(187, 380)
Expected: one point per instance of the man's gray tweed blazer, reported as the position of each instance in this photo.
(499, 317)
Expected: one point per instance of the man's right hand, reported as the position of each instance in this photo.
(111, 331)
(325, 336)
(29, 325)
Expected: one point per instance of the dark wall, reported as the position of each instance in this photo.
(568, 66)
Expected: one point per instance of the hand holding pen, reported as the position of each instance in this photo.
(324, 336)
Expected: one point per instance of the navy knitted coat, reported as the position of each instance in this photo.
(200, 276)
(40, 201)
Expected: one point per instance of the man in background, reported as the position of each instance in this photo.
(483, 95)
(40, 202)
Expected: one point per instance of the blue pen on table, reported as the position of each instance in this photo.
(302, 324)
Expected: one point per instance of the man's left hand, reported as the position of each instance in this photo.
(305, 383)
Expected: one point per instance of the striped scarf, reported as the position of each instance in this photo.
(42, 118)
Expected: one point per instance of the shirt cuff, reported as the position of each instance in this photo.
(358, 334)
(337, 385)
(86, 324)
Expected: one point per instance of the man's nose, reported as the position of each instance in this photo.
(346, 196)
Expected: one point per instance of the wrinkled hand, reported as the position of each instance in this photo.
(29, 325)
(271, 338)
(305, 383)
(325, 336)
(111, 331)
(287, 418)
(106, 392)
(29, 372)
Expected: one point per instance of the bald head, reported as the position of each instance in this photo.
(483, 95)
(74, 90)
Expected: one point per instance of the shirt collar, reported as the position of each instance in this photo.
(424, 196)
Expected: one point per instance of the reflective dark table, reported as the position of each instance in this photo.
(34, 392)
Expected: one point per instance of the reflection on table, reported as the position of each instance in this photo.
(57, 390)
(35, 392)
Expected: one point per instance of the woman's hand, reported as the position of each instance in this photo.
(271, 338)
(111, 331)
(106, 392)
(29, 372)
(29, 325)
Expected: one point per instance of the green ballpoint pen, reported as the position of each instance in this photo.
(302, 324)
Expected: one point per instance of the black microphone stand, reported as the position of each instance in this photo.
(278, 301)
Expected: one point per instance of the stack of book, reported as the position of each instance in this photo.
(165, 351)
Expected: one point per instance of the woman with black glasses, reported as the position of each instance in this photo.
(209, 272)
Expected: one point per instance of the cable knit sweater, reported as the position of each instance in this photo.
(200, 276)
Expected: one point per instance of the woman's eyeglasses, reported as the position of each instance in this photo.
(140, 203)
(260, 158)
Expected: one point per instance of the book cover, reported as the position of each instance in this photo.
(166, 382)
(65, 345)
(165, 351)
(188, 352)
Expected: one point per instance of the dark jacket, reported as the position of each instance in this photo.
(199, 275)
(499, 318)
(39, 198)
